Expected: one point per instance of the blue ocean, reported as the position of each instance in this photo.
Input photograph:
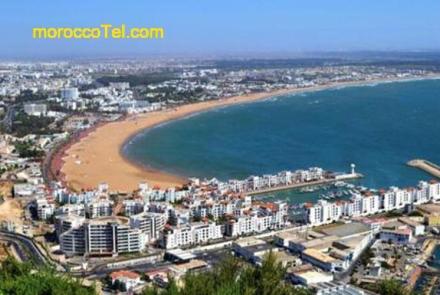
(377, 127)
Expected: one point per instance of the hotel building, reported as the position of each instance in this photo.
(101, 236)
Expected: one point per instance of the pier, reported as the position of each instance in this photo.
(342, 177)
(426, 166)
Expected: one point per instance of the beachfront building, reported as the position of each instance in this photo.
(63, 196)
(367, 203)
(256, 183)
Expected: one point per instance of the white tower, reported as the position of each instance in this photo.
(352, 168)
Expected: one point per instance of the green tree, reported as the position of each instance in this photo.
(234, 277)
(26, 149)
(24, 279)
(392, 287)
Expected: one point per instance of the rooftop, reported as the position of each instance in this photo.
(180, 254)
(411, 221)
(288, 235)
(124, 274)
(351, 242)
(319, 255)
(248, 242)
(109, 219)
(193, 264)
(320, 243)
(430, 208)
(347, 229)
(260, 249)
(314, 276)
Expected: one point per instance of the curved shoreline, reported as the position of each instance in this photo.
(98, 157)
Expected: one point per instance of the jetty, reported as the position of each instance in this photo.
(426, 166)
(341, 177)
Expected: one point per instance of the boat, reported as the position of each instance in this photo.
(307, 190)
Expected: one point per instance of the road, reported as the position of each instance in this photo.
(26, 248)
(213, 253)
(213, 256)
(9, 116)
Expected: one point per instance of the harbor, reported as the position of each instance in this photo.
(284, 180)
(338, 178)
(329, 179)
(426, 166)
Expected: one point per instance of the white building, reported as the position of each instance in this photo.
(128, 279)
(100, 207)
(151, 224)
(45, 209)
(74, 209)
(133, 207)
(71, 234)
(96, 237)
(369, 203)
(33, 109)
(194, 234)
(401, 235)
(119, 85)
(69, 93)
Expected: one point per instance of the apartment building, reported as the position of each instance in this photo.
(101, 236)
(150, 223)
(74, 209)
(133, 206)
(368, 203)
(100, 207)
(45, 208)
(71, 234)
(191, 234)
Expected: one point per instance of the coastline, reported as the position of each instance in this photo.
(98, 157)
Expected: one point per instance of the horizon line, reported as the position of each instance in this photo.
(242, 55)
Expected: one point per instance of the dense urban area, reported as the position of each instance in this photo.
(209, 236)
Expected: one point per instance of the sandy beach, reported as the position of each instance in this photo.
(97, 157)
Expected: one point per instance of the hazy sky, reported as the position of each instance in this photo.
(200, 27)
